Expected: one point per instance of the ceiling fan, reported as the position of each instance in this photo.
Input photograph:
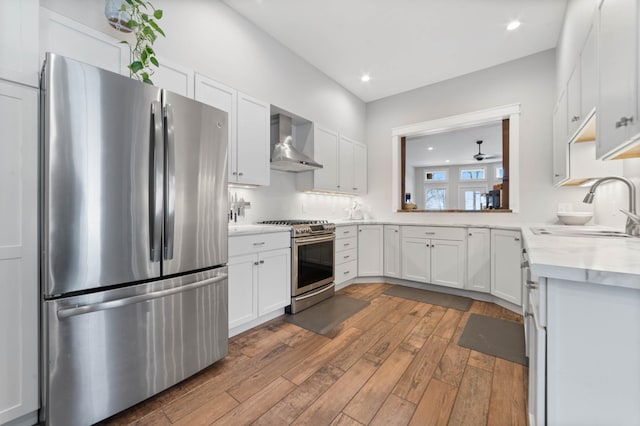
(480, 156)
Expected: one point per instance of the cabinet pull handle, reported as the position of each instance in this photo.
(470, 234)
(259, 244)
(531, 285)
(256, 263)
(346, 257)
(240, 174)
(516, 239)
(262, 262)
(429, 233)
(575, 118)
(433, 245)
(524, 264)
(528, 314)
(556, 175)
(346, 272)
(395, 230)
(346, 232)
(624, 121)
(347, 244)
(234, 173)
(355, 189)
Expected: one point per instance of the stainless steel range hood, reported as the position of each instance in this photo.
(284, 156)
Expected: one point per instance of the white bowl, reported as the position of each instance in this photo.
(574, 218)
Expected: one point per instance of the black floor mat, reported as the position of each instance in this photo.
(496, 337)
(324, 316)
(447, 300)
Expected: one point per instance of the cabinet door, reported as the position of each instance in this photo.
(18, 251)
(574, 101)
(19, 42)
(243, 283)
(588, 76)
(560, 143)
(416, 265)
(617, 53)
(174, 77)
(360, 168)
(506, 278)
(370, 250)
(274, 280)
(448, 260)
(345, 165)
(537, 371)
(479, 260)
(253, 135)
(223, 97)
(391, 251)
(325, 151)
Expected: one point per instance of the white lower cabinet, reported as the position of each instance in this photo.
(370, 250)
(19, 304)
(346, 254)
(391, 251)
(479, 260)
(506, 278)
(259, 276)
(434, 255)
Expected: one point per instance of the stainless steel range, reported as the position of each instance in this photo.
(312, 261)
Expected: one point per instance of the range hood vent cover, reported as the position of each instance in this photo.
(284, 156)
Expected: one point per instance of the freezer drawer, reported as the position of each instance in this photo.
(110, 350)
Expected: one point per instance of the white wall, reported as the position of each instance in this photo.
(529, 81)
(214, 40)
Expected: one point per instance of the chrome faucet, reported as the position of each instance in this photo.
(633, 220)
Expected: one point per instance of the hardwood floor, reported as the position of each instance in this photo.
(396, 362)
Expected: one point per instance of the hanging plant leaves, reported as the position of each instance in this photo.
(142, 21)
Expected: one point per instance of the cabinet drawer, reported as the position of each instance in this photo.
(437, 232)
(346, 232)
(346, 244)
(245, 244)
(346, 271)
(346, 256)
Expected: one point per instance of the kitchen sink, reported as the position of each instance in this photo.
(579, 232)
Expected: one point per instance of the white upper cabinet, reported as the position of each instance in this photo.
(588, 77)
(66, 37)
(325, 152)
(253, 141)
(345, 163)
(249, 130)
(574, 101)
(360, 168)
(560, 143)
(19, 60)
(174, 77)
(617, 117)
(225, 98)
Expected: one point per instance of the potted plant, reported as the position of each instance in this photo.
(139, 17)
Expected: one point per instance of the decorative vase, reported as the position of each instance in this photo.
(116, 17)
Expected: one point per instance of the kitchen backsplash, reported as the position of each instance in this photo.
(281, 200)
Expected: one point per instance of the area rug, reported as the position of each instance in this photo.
(496, 337)
(324, 316)
(425, 296)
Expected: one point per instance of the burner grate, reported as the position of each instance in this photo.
(293, 222)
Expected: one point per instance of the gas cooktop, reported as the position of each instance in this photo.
(301, 227)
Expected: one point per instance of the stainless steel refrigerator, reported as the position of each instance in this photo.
(133, 240)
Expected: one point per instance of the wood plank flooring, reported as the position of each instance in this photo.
(395, 362)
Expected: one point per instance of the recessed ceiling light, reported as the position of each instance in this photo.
(513, 25)
(365, 78)
(447, 161)
(430, 148)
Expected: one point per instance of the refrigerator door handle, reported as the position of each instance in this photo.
(113, 304)
(155, 182)
(169, 182)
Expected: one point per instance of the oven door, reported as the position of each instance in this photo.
(313, 262)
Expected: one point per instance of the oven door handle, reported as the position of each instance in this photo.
(315, 293)
(311, 240)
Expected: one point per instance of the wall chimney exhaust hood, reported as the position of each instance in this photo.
(284, 156)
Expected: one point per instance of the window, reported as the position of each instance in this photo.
(436, 175)
(499, 172)
(472, 174)
(473, 200)
(435, 199)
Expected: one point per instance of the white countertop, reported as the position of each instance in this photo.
(256, 229)
(598, 260)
